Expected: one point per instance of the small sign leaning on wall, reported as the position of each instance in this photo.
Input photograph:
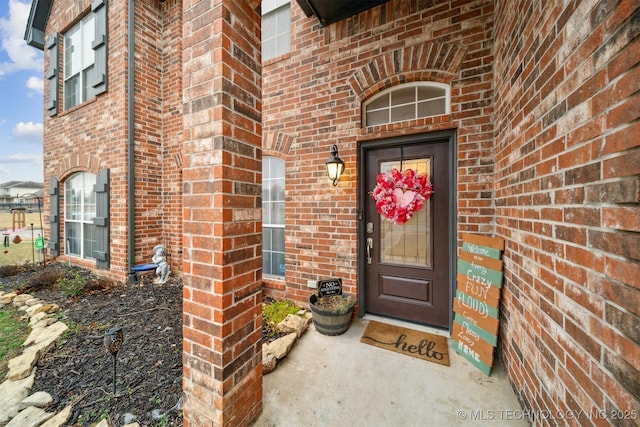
(479, 282)
(329, 287)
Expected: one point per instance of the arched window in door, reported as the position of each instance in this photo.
(407, 102)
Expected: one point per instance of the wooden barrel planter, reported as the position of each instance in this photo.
(329, 322)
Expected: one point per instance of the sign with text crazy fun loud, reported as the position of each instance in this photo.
(477, 301)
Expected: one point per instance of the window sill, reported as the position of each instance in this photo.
(275, 60)
(77, 107)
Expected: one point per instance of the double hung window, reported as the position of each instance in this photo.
(79, 61)
(276, 28)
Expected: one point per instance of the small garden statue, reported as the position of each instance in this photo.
(160, 258)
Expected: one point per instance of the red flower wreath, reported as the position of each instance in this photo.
(399, 195)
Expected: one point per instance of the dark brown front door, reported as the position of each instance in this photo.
(406, 266)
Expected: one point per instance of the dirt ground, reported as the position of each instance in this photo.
(79, 370)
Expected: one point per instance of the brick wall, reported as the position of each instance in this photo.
(93, 135)
(222, 326)
(567, 202)
(313, 97)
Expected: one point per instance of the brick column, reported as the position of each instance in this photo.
(221, 216)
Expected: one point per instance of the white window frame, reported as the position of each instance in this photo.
(87, 60)
(271, 8)
(268, 225)
(416, 85)
(76, 197)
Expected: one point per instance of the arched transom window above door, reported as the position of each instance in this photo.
(406, 102)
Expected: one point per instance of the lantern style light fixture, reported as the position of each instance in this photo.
(335, 165)
(113, 339)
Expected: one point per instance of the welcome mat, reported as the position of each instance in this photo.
(430, 347)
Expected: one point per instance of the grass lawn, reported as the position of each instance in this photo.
(18, 253)
(13, 332)
(6, 220)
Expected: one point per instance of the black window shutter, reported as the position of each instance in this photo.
(54, 217)
(52, 74)
(99, 45)
(101, 221)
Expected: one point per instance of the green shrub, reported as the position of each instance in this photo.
(273, 313)
(72, 286)
(276, 311)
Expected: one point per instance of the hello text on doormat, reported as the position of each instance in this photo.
(422, 345)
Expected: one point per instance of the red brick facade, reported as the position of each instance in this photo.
(544, 106)
(313, 97)
(566, 193)
(93, 135)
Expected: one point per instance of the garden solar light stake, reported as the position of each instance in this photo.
(113, 339)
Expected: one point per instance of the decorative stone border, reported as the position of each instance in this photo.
(293, 326)
(17, 407)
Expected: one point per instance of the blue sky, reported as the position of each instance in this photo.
(21, 99)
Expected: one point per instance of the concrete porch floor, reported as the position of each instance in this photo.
(338, 381)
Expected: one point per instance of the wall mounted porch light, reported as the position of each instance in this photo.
(335, 165)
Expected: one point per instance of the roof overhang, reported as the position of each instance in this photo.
(330, 11)
(34, 33)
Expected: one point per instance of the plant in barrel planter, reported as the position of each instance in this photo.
(330, 308)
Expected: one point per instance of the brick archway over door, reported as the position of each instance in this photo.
(434, 61)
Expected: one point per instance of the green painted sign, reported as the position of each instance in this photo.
(39, 243)
(479, 282)
(481, 250)
(479, 273)
(463, 350)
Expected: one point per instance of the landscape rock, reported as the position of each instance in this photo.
(37, 318)
(156, 414)
(33, 301)
(103, 423)
(7, 298)
(36, 331)
(50, 308)
(20, 300)
(281, 347)
(293, 323)
(269, 361)
(131, 425)
(11, 394)
(20, 367)
(39, 399)
(60, 419)
(30, 417)
(33, 309)
(44, 322)
(128, 418)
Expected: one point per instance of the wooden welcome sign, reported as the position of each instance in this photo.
(479, 281)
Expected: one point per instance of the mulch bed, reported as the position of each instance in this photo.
(79, 370)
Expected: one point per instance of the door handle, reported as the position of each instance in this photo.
(369, 247)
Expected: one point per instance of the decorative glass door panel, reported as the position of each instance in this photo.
(409, 243)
